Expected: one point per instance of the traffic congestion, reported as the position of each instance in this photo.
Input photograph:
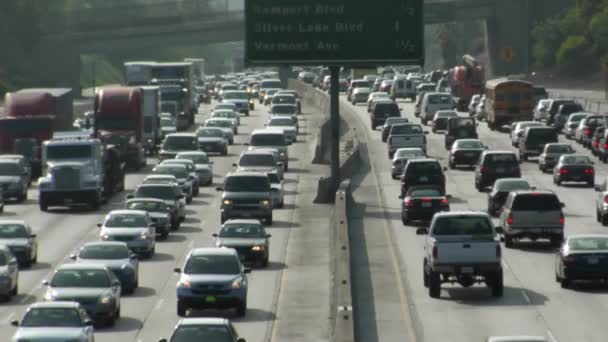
(159, 216)
(500, 185)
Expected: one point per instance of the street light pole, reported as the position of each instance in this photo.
(334, 107)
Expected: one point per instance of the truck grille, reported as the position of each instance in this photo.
(66, 177)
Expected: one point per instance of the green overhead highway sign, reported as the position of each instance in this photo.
(334, 32)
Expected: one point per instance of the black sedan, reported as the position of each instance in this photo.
(249, 239)
(582, 257)
(422, 202)
(500, 191)
(386, 128)
(574, 168)
(465, 152)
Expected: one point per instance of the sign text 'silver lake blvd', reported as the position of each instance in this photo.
(337, 32)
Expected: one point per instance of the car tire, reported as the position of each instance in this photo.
(564, 283)
(451, 165)
(434, 284)
(268, 220)
(225, 151)
(241, 309)
(508, 241)
(265, 262)
(42, 203)
(604, 220)
(23, 197)
(497, 284)
(425, 275)
(404, 219)
(181, 309)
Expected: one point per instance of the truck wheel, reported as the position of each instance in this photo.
(497, 284)
(557, 241)
(564, 283)
(44, 206)
(241, 309)
(23, 197)
(508, 241)
(425, 275)
(181, 309)
(434, 284)
(268, 220)
(604, 219)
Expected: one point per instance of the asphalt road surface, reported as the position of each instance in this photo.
(388, 259)
(150, 312)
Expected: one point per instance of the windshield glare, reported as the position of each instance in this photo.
(178, 172)
(218, 123)
(146, 206)
(210, 133)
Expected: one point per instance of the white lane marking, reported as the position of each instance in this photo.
(551, 337)
(526, 297)
(506, 266)
(159, 304)
(9, 318)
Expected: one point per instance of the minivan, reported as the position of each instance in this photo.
(403, 89)
(433, 102)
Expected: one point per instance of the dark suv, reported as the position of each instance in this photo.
(533, 141)
(246, 195)
(494, 165)
(171, 194)
(382, 110)
(422, 172)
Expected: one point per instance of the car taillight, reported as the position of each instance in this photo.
(605, 146)
(435, 252)
(562, 220)
(563, 171)
(596, 143)
(606, 199)
(498, 252)
(484, 170)
(510, 219)
(426, 199)
(588, 132)
(408, 202)
(445, 200)
(568, 260)
(589, 171)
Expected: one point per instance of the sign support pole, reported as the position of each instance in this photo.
(334, 107)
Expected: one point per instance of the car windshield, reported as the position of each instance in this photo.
(218, 123)
(446, 115)
(594, 243)
(247, 184)
(52, 317)
(178, 172)
(126, 221)
(146, 206)
(577, 117)
(394, 121)
(257, 160)
(212, 264)
(469, 144)
(224, 114)
(504, 158)
(576, 160)
(283, 109)
(13, 231)
(424, 169)
(284, 99)
(439, 99)
(267, 139)
(242, 230)
(161, 192)
(281, 122)
(511, 185)
(180, 143)
(10, 169)
(104, 251)
(235, 95)
(387, 108)
(270, 84)
(425, 193)
(536, 202)
(465, 225)
(166, 122)
(202, 332)
(560, 149)
(209, 133)
(409, 153)
(406, 129)
(80, 278)
(196, 158)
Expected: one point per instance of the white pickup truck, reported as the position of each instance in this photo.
(406, 135)
(463, 248)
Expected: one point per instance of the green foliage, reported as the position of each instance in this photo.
(574, 40)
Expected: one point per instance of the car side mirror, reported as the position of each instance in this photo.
(116, 284)
(400, 197)
(426, 132)
(422, 231)
(274, 190)
(15, 323)
(235, 164)
(247, 270)
(89, 322)
(215, 235)
(448, 196)
(444, 168)
(597, 188)
(240, 339)
(73, 256)
(45, 283)
(177, 270)
(33, 235)
(129, 196)
(562, 204)
(162, 340)
(99, 225)
(133, 257)
(219, 188)
(498, 230)
(268, 235)
(246, 144)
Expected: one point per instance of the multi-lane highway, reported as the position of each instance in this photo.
(393, 304)
(150, 312)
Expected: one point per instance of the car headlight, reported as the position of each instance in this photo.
(258, 248)
(282, 154)
(144, 236)
(227, 202)
(105, 299)
(265, 203)
(184, 284)
(105, 237)
(237, 283)
(48, 296)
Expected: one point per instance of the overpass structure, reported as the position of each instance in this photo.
(103, 27)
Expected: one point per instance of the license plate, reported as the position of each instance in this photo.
(592, 261)
(500, 170)
(426, 204)
(423, 179)
(466, 270)
(210, 299)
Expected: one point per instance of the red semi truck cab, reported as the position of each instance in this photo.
(29, 119)
(119, 121)
(466, 80)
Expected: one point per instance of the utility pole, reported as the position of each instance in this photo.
(334, 119)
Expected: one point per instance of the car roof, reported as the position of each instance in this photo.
(11, 156)
(532, 192)
(144, 199)
(242, 221)
(217, 119)
(161, 165)
(181, 135)
(104, 243)
(82, 266)
(14, 221)
(257, 152)
(9, 161)
(246, 173)
(203, 321)
(192, 153)
(516, 339)
(267, 131)
(212, 251)
(423, 160)
(498, 152)
(176, 161)
(54, 304)
(127, 211)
